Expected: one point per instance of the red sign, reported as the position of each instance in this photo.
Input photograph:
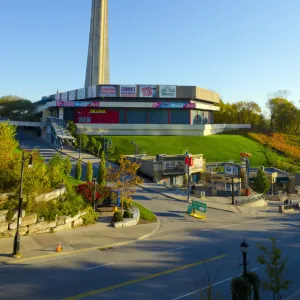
(96, 116)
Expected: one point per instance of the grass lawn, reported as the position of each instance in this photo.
(220, 147)
(74, 181)
(145, 214)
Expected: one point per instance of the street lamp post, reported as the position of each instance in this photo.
(94, 198)
(244, 250)
(232, 191)
(17, 240)
(187, 165)
(136, 149)
(79, 146)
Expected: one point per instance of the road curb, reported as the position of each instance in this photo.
(57, 255)
(172, 197)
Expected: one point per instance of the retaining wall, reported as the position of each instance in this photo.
(31, 224)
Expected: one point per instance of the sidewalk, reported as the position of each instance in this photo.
(82, 239)
(219, 203)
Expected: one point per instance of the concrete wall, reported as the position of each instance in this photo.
(157, 129)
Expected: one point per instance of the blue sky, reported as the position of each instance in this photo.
(241, 49)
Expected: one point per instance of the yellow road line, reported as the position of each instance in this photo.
(119, 285)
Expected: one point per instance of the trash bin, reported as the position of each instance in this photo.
(202, 194)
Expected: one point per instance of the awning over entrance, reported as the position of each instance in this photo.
(283, 179)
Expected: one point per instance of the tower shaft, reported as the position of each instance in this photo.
(97, 69)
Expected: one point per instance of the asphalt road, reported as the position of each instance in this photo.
(170, 265)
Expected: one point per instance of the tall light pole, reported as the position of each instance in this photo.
(17, 240)
(244, 250)
(94, 197)
(79, 156)
(187, 165)
(136, 149)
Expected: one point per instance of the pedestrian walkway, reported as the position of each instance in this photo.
(86, 238)
(219, 203)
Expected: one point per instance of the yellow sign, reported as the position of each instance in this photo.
(97, 111)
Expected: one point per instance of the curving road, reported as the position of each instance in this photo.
(170, 265)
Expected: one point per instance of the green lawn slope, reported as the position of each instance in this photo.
(221, 147)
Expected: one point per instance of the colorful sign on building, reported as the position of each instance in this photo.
(148, 91)
(77, 103)
(231, 169)
(128, 91)
(92, 91)
(72, 95)
(174, 166)
(173, 105)
(81, 94)
(97, 111)
(167, 91)
(108, 91)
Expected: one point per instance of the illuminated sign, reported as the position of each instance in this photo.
(97, 111)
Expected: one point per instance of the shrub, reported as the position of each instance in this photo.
(89, 172)
(78, 170)
(47, 210)
(102, 171)
(68, 165)
(87, 192)
(56, 170)
(240, 288)
(117, 217)
(127, 204)
(127, 214)
(90, 217)
(71, 206)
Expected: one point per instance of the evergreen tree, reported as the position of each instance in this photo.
(78, 170)
(89, 172)
(102, 172)
(261, 181)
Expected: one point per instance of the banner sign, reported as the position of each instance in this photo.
(128, 91)
(148, 91)
(81, 94)
(77, 104)
(91, 91)
(173, 105)
(72, 95)
(57, 97)
(174, 166)
(97, 111)
(167, 91)
(108, 91)
(231, 169)
(197, 163)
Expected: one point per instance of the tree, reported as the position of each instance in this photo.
(207, 290)
(110, 150)
(89, 172)
(84, 140)
(72, 128)
(261, 181)
(78, 170)
(92, 145)
(124, 177)
(98, 146)
(275, 267)
(68, 166)
(19, 109)
(102, 171)
(56, 170)
(8, 144)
